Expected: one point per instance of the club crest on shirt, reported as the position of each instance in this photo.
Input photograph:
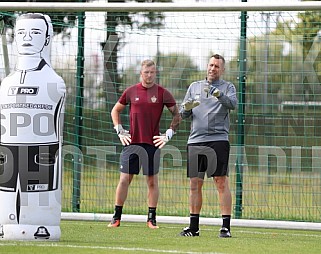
(153, 99)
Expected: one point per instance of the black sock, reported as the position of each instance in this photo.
(226, 221)
(151, 213)
(118, 212)
(194, 222)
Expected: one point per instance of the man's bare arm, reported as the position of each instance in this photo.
(176, 117)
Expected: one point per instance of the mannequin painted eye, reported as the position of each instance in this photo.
(35, 32)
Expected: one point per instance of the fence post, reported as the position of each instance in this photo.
(240, 121)
(79, 113)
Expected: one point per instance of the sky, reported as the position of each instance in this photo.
(195, 34)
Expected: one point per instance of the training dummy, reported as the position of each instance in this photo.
(32, 102)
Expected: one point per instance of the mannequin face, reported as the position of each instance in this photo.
(30, 35)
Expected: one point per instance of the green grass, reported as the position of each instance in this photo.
(94, 237)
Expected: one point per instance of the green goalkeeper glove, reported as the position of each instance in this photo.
(190, 104)
(214, 91)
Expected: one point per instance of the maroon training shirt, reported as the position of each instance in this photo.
(146, 108)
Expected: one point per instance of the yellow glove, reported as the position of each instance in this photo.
(190, 104)
(215, 92)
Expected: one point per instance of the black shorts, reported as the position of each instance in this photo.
(136, 156)
(210, 157)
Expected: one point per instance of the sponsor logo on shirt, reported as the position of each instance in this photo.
(23, 90)
(37, 187)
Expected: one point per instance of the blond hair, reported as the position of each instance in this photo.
(148, 63)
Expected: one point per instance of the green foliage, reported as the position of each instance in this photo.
(308, 27)
(175, 72)
(152, 20)
(284, 63)
(61, 21)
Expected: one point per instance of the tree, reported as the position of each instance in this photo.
(111, 47)
(177, 72)
(67, 19)
(290, 54)
(61, 23)
(304, 37)
(309, 28)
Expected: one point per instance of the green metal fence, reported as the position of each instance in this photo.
(272, 58)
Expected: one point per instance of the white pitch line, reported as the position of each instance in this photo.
(277, 233)
(107, 248)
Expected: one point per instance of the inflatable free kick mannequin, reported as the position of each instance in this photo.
(32, 101)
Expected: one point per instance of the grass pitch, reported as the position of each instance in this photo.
(94, 237)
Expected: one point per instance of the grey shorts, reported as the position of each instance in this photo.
(210, 157)
(137, 156)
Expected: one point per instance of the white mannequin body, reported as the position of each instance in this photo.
(32, 106)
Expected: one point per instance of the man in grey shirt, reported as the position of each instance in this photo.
(208, 103)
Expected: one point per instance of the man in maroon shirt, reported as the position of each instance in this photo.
(142, 143)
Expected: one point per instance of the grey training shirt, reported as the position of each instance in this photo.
(210, 120)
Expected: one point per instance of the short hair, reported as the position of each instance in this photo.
(218, 56)
(148, 63)
(35, 16)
